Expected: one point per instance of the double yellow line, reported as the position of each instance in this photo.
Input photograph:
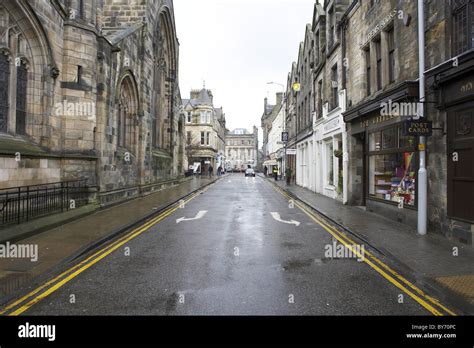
(26, 302)
(428, 302)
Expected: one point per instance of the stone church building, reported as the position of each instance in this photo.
(89, 91)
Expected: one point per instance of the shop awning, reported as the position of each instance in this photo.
(270, 163)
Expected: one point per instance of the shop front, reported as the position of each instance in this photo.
(451, 209)
(384, 163)
(330, 166)
(202, 160)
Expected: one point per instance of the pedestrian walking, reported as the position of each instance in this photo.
(275, 173)
(211, 170)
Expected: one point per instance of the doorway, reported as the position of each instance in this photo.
(461, 162)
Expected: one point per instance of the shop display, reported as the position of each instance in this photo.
(392, 176)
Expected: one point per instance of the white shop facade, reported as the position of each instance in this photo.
(330, 166)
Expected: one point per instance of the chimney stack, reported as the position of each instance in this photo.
(195, 94)
(279, 98)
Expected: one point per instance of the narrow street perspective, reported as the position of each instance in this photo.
(262, 256)
(242, 165)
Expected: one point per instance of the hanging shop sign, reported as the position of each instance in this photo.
(285, 137)
(417, 128)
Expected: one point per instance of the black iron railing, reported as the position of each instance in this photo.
(20, 204)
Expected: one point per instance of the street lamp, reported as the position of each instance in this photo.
(278, 84)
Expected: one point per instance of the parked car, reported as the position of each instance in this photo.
(250, 172)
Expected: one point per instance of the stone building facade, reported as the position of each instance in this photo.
(270, 112)
(361, 60)
(241, 149)
(381, 46)
(382, 54)
(205, 131)
(92, 91)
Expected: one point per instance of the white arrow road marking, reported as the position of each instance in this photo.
(199, 215)
(277, 217)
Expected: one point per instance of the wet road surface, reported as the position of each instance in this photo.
(247, 252)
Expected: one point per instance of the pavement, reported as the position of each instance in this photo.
(61, 245)
(429, 259)
(238, 248)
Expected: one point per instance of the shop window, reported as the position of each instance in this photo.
(330, 163)
(392, 167)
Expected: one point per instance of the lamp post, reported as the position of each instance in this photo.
(297, 88)
(422, 173)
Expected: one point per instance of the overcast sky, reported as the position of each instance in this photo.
(237, 46)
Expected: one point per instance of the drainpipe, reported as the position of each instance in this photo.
(345, 149)
(422, 173)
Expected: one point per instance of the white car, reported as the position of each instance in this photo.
(250, 172)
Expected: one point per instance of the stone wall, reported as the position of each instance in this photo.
(76, 61)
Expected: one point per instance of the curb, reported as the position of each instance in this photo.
(455, 300)
(15, 233)
(61, 265)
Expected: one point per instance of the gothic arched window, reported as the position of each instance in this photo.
(4, 91)
(21, 92)
(126, 115)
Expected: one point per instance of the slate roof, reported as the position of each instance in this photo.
(204, 98)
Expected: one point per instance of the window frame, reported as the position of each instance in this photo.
(457, 9)
(334, 90)
(368, 70)
(379, 63)
(391, 151)
(391, 54)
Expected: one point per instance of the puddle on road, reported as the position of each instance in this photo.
(12, 281)
(290, 245)
(293, 265)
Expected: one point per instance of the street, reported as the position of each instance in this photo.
(238, 248)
